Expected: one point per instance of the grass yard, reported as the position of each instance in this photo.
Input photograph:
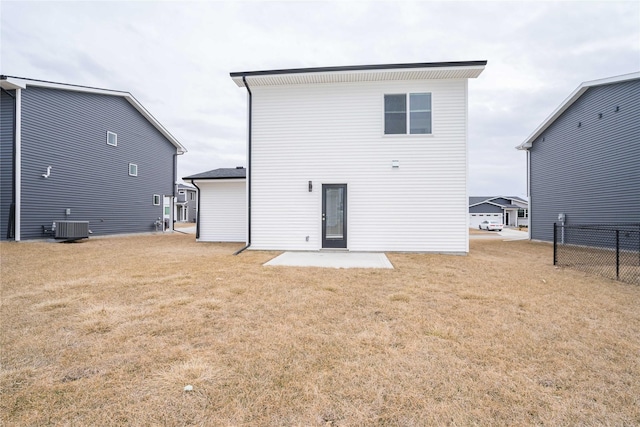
(109, 332)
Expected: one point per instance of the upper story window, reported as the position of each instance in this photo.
(418, 119)
(133, 169)
(192, 196)
(112, 138)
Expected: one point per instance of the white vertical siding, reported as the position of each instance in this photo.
(333, 134)
(223, 212)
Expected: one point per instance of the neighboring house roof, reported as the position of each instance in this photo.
(186, 187)
(360, 73)
(570, 100)
(478, 200)
(13, 82)
(222, 173)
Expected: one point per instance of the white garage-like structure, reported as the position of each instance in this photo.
(222, 205)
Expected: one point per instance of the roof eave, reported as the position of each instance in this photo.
(360, 68)
(569, 101)
(218, 178)
(9, 82)
(356, 72)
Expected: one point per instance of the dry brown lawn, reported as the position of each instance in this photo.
(110, 331)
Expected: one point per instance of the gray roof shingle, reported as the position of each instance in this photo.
(221, 173)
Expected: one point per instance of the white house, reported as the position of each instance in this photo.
(363, 158)
(222, 205)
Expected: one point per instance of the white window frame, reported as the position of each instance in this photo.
(115, 137)
(408, 115)
(156, 200)
(135, 171)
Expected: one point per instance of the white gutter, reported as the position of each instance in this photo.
(17, 171)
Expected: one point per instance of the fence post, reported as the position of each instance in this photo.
(555, 242)
(617, 254)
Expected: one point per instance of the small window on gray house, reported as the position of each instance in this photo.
(112, 138)
(133, 169)
(156, 200)
(192, 196)
(418, 119)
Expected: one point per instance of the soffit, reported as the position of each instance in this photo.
(256, 79)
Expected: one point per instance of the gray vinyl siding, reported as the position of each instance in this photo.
(67, 131)
(192, 205)
(485, 208)
(6, 159)
(592, 172)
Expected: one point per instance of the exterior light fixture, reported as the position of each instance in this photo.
(310, 186)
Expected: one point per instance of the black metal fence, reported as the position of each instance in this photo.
(612, 251)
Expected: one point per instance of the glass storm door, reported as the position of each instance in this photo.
(334, 215)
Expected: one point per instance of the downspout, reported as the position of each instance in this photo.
(172, 209)
(197, 211)
(17, 166)
(244, 80)
(529, 193)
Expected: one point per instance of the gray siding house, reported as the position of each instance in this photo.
(186, 204)
(75, 153)
(512, 211)
(584, 160)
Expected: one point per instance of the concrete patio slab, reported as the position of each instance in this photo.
(332, 260)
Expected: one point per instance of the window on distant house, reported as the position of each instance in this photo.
(112, 138)
(418, 119)
(523, 213)
(192, 196)
(133, 169)
(156, 200)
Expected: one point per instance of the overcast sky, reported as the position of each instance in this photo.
(175, 58)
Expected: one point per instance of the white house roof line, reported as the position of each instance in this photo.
(359, 73)
(13, 82)
(577, 93)
(220, 173)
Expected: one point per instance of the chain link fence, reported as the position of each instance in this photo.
(611, 251)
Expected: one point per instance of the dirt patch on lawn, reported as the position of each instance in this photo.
(478, 231)
(110, 331)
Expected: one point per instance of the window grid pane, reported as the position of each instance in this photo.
(420, 113)
(395, 114)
